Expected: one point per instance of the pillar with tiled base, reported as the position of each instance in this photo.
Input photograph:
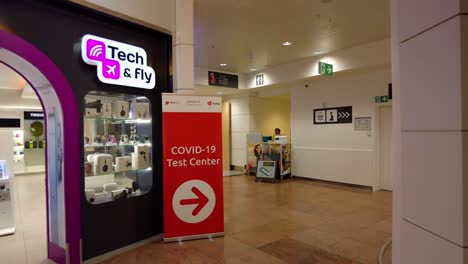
(433, 47)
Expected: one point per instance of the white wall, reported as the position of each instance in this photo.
(242, 123)
(337, 152)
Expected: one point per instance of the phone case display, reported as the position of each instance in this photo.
(121, 109)
(93, 107)
(141, 110)
(102, 164)
(123, 164)
(117, 147)
(140, 159)
(106, 110)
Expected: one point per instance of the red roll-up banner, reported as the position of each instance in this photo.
(193, 172)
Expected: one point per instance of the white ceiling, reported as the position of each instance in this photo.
(249, 34)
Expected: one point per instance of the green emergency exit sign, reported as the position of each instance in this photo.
(381, 99)
(325, 69)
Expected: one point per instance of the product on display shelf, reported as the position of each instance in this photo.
(90, 193)
(93, 108)
(89, 169)
(124, 139)
(141, 110)
(103, 164)
(106, 110)
(109, 187)
(112, 139)
(123, 164)
(30, 144)
(121, 109)
(42, 144)
(118, 193)
(140, 159)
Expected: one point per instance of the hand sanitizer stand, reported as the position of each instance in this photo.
(7, 221)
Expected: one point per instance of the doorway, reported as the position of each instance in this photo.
(43, 76)
(24, 152)
(386, 147)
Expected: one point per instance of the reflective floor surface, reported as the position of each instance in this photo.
(296, 221)
(28, 244)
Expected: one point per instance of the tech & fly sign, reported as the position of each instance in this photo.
(118, 63)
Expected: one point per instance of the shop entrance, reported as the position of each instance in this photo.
(23, 217)
(50, 86)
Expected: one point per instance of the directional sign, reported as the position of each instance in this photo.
(325, 69)
(192, 167)
(381, 99)
(194, 201)
(337, 115)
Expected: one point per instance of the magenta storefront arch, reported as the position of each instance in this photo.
(11, 44)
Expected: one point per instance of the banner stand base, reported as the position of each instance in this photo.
(185, 238)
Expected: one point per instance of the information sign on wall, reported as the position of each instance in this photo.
(193, 173)
(362, 123)
(223, 79)
(337, 115)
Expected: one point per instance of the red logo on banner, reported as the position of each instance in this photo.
(209, 103)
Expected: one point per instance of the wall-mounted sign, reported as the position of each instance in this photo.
(337, 115)
(10, 122)
(381, 99)
(223, 79)
(259, 79)
(118, 63)
(325, 69)
(362, 123)
(33, 115)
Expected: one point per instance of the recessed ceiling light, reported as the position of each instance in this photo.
(253, 69)
(223, 64)
(317, 52)
(287, 43)
(219, 92)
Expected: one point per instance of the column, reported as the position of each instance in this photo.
(242, 123)
(183, 48)
(432, 43)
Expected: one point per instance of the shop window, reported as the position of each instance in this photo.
(117, 146)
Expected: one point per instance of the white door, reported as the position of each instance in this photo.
(386, 147)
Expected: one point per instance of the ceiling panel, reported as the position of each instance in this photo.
(248, 34)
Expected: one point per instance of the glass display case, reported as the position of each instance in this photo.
(117, 146)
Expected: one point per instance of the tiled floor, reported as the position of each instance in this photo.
(296, 221)
(28, 244)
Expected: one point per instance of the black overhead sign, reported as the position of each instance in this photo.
(336, 115)
(10, 122)
(33, 115)
(223, 79)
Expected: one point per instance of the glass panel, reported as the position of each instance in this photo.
(117, 146)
